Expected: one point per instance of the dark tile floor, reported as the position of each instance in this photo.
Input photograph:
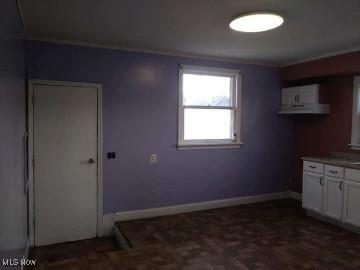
(273, 235)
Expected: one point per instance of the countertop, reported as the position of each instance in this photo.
(336, 161)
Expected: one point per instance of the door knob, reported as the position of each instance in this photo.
(91, 161)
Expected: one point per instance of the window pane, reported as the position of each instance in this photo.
(205, 90)
(202, 124)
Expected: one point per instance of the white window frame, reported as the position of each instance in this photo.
(236, 141)
(355, 132)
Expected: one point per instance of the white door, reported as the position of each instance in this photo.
(333, 197)
(65, 158)
(352, 203)
(312, 191)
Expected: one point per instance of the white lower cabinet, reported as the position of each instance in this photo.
(333, 197)
(312, 191)
(337, 197)
(352, 203)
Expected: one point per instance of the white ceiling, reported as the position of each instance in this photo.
(312, 28)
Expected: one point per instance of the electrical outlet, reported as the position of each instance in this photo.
(153, 158)
(111, 155)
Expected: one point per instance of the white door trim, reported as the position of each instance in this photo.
(32, 83)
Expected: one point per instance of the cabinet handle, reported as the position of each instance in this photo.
(312, 167)
(321, 182)
(341, 185)
(297, 98)
(334, 172)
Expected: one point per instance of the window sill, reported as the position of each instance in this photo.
(208, 146)
(354, 146)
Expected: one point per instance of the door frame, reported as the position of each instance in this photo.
(31, 85)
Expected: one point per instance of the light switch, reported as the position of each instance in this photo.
(153, 158)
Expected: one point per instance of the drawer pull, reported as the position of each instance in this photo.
(321, 182)
(312, 167)
(334, 172)
(341, 185)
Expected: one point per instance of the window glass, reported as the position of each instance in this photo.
(205, 124)
(205, 90)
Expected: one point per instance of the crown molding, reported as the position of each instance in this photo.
(21, 15)
(152, 51)
(323, 56)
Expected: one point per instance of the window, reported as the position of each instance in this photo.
(355, 134)
(209, 108)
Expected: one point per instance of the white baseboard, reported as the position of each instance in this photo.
(108, 224)
(295, 195)
(110, 219)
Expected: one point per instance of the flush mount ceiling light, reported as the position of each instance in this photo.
(256, 22)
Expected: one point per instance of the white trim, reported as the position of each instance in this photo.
(27, 248)
(322, 56)
(32, 83)
(355, 135)
(110, 219)
(108, 224)
(153, 51)
(26, 252)
(21, 15)
(354, 146)
(30, 163)
(295, 195)
(208, 146)
(99, 159)
(235, 107)
(191, 55)
(305, 109)
(210, 70)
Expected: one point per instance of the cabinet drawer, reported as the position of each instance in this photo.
(313, 167)
(352, 174)
(334, 171)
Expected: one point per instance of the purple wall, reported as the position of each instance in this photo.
(13, 224)
(140, 93)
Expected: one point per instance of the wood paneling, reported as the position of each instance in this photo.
(341, 64)
(321, 135)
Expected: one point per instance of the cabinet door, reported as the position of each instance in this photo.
(309, 94)
(352, 203)
(289, 95)
(312, 191)
(333, 197)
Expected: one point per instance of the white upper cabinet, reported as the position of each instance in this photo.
(303, 99)
(289, 95)
(307, 94)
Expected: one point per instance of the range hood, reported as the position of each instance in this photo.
(305, 109)
(304, 99)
